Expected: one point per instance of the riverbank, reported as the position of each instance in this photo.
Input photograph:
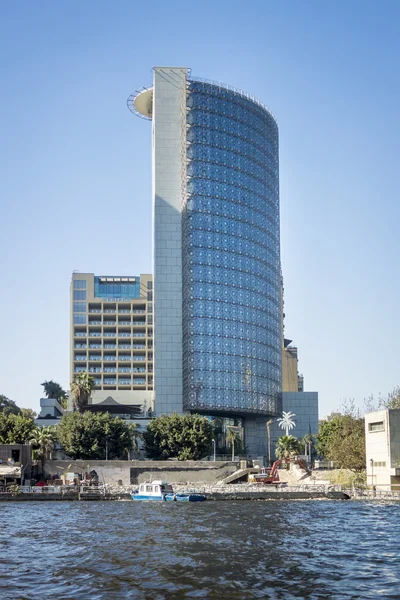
(212, 493)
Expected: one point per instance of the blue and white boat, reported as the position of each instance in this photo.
(162, 491)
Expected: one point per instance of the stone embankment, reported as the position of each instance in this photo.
(212, 492)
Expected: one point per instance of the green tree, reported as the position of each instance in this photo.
(287, 446)
(42, 442)
(232, 437)
(8, 406)
(391, 401)
(185, 437)
(15, 429)
(342, 440)
(28, 413)
(81, 389)
(93, 435)
(52, 389)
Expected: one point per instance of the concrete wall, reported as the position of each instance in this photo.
(169, 90)
(113, 471)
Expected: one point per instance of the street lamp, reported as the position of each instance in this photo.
(214, 449)
(371, 462)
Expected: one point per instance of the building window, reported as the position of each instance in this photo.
(80, 295)
(150, 307)
(149, 295)
(378, 426)
(150, 320)
(80, 320)
(379, 463)
(149, 285)
(79, 284)
(79, 307)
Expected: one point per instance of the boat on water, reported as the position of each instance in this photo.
(164, 492)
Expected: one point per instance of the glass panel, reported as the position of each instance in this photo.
(231, 255)
(79, 306)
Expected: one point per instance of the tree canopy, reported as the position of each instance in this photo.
(15, 429)
(391, 401)
(185, 437)
(287, 446)
(342, 440)
(8, 406)
(52, 389)
(81, 389)
(91, 435)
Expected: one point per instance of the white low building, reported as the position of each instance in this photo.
(382, 439)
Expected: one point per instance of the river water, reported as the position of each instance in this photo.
(100, 550)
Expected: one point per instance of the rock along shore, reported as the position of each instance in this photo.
(213, 493)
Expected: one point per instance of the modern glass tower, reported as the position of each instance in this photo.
(216, 250)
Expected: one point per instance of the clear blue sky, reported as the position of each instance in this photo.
(75, 168)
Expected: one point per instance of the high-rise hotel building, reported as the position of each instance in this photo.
(216, 251)
(112, 336)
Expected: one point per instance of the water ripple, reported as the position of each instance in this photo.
(235, 550)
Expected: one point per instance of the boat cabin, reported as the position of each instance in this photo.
(155, 488)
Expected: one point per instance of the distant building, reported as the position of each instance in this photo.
(51, 412)
(15, 464)
(112, 339)
(216, 249)
(382, 440)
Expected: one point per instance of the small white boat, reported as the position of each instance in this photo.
(163, 491)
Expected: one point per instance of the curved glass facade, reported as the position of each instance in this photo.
(232, 322)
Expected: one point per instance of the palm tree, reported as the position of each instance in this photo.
(52, 389)
(231, 437)
(81, 389)
(43, 442)
(308, 442)
(286, 422)
(287, 446)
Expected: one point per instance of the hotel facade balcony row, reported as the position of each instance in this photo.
(112, 314)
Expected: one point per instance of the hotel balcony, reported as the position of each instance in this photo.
(124, 370)
(124, 357)
(94, 346)
(109, 334)
(94, 334)
(124, 346)
(94, 322)
(124, 381)
(94, 369)
(110, 346)
(82, 346)
(95, 357)
(80, 334)
(110, 357)
(109, 381)
(80, 357)
(109, 370)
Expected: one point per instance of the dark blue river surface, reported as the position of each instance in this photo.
(220, 550)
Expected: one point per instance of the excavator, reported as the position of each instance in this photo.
(269, 475)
